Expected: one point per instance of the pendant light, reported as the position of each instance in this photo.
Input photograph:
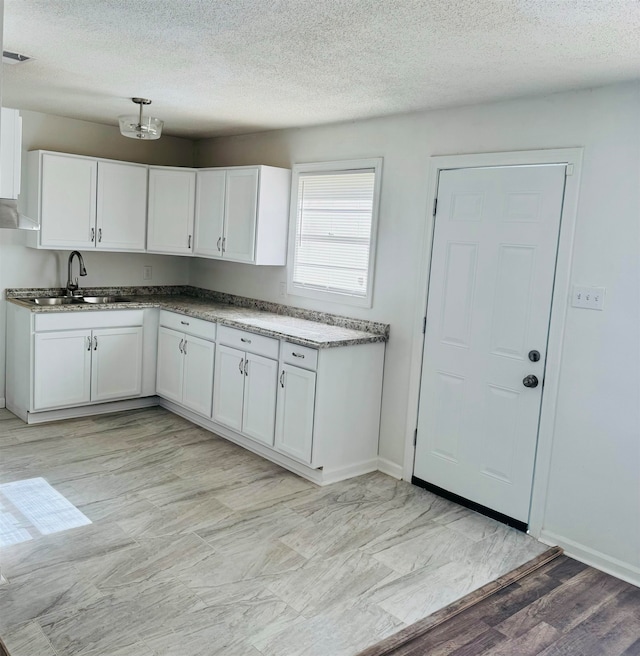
(139, 127)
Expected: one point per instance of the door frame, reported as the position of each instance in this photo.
(572, 157)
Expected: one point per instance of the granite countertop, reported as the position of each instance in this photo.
(303, 327)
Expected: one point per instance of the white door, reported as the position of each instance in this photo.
(62, 369)
(241, 204)
(492, 271)
(296, 404)
(172, 195)
(116, 367)
(197, 387)
(68, 202)
(170, 364)
(259, 414)
(228, 387)
(121, 219)
(209, 213)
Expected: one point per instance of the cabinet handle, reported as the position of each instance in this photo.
(298, 355)
(95, 343)
(184, 323)
(184, 347)
(240, 366)
(99, 234)
(282, 379)
(246, 367)
(189, 244)
(88, 343)
(224, 242)
(180, 346)
(93, 234)
(246, 341)
(218, 243)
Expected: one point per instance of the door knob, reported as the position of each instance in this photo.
(530, 381)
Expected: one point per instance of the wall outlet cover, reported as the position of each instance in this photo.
(146, 272)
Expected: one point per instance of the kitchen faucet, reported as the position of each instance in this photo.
(73, 286)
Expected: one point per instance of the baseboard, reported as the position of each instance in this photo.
(618, 568)
(343, 473)
(390, 468)
(3, 403)
(89, 410)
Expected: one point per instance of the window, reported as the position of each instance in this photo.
(334, 209)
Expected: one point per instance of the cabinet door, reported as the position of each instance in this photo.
(197, 386)
(170, 364)
(171, 210)
(116, 366)
(121, 219)
(259, 414)
(68, 202)
(62, 369)
(296, 402)
(241, 198)
(209, 213)
(228, 387)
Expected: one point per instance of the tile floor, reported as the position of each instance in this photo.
(198, 547)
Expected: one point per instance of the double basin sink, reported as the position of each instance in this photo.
(76, 300)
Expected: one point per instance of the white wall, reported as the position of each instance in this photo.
(594, 488)
(27, 267)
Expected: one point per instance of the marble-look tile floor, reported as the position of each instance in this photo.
(198, 547)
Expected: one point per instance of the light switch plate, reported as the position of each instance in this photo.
(590, 298)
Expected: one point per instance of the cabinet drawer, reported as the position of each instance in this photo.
(300, 356)
(189, 325)
(90, 319)
(245, 341)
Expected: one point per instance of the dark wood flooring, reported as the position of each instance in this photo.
(564, 608)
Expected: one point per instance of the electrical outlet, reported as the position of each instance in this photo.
(283, 289)
(146, 272)
(590, 298)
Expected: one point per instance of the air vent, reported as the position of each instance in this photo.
(9, 57)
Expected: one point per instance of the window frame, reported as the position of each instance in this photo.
(339, 166)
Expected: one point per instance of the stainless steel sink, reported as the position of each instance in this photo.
(55, 300)
(105, 299)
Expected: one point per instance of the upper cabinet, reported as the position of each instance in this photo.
(171, 210)
(10, 153)
(242, 214)
(82, 202)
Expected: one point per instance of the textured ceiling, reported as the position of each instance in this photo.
(237, 66)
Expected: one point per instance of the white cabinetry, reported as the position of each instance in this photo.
(244, 390)
(171, 210)
(84, 202)
(242, 214)
(185, 361)
(74, 367)
(10, 153)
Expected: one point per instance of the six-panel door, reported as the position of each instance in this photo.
(228, 391)
(259, 412)
(170, 368)
(296, 404)
(62, 369)
(68, 202)
(116, 366)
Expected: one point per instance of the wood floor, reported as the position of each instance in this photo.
(564, 608)
(197, 547)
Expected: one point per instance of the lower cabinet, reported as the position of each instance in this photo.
(244, 393)
(74, 367)
(296, 405)
(185, 370)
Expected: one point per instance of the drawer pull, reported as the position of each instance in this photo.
(246, 367)
(180, 346)
(184, 323)
(282, 379)
(298, 355)
(240, 366)
(95, 343)
(88, 343)
(184, 347)
(218, 244)
(245, 340)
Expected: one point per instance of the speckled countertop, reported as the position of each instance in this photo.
(296, 325)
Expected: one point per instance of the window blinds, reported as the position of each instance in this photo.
(333, 231)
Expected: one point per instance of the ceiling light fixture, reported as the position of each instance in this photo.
(139, 127)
